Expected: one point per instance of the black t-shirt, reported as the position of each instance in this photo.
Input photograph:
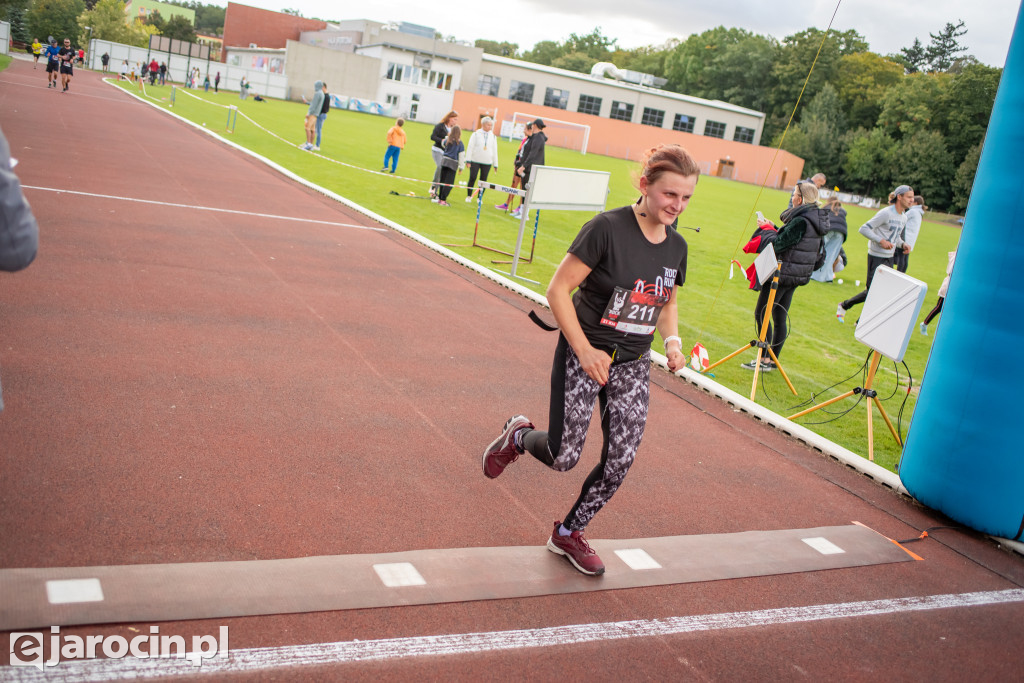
(631, 279)
(67, 56)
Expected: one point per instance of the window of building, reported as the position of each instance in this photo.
(589, 105)
(519, 91)
(714, 129)
(621, 111)
(652, 117)
(488, 85)
(404, 73)
(391, 99)
(743, 134)
(553, 97)
(683, 123)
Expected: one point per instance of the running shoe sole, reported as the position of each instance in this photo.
(558, 551)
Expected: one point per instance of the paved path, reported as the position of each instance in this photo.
(186, 385)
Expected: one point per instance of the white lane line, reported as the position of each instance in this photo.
(327, 654)
(823, 545)
(203, 208)
(65, 591)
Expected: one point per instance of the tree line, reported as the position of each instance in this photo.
(868, 121)
(81, 20)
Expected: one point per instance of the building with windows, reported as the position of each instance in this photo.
(410, 72)
(617, 99)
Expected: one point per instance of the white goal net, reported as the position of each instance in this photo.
(559, 133)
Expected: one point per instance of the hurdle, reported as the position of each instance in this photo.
(501, 189)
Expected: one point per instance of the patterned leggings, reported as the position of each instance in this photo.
(624, 401)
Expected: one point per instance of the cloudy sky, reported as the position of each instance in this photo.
(887, 25)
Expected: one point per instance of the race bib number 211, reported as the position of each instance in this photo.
(633, 312)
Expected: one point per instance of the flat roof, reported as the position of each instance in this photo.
(716, 104)
(406, 48)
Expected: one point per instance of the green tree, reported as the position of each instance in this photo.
(732, 65)
(57, 18)
(969, 102)
(544, 52)
(917, 103)
(648, 60)
(945, 47)
(861, 80)
(108, 23)
(17, 16)
(209, 19)
(923, 162)
(502, 49)
(963, 181)
(596, 46)
(179, 28)
(156, 20)
(915, 58)
(795, 58)
(819, 135)
(575, 61)
(867, 161)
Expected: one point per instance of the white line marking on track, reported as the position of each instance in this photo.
(823, 545)
(65, 591)
(203, 208)
(333, 654)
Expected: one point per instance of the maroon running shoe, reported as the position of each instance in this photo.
(576, 550)
(502, 450)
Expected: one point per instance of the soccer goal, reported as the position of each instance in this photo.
(560, 133)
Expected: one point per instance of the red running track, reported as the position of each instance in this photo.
(187, 386)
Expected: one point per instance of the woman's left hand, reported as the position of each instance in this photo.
(676, 359)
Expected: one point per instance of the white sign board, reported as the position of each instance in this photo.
(567, 189)
(890, 312)
(766, 264)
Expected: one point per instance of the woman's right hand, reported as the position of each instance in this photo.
(596, 364)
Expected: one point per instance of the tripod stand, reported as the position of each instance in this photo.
(760, 344)
(872, 396)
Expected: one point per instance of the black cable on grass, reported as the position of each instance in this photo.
(861, 370)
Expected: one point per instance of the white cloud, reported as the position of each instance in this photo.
(886, 25)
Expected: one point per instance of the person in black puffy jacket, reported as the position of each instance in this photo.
(797, 246)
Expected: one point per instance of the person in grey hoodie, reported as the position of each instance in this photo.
(315, 106)
(884, 232)
(19, 232)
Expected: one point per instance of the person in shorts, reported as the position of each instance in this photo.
(52, 64)
(66, 55)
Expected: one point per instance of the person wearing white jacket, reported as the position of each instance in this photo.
(481, 154)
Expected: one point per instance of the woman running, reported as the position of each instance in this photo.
(628, 264)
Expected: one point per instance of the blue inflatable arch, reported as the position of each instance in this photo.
(965, 447)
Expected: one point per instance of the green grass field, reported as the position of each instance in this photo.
(714, 310)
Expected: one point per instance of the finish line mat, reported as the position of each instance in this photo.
(63, 596)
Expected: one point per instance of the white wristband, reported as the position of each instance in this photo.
(671, 339)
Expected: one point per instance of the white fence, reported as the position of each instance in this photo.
(5, 38)
(178, 66)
